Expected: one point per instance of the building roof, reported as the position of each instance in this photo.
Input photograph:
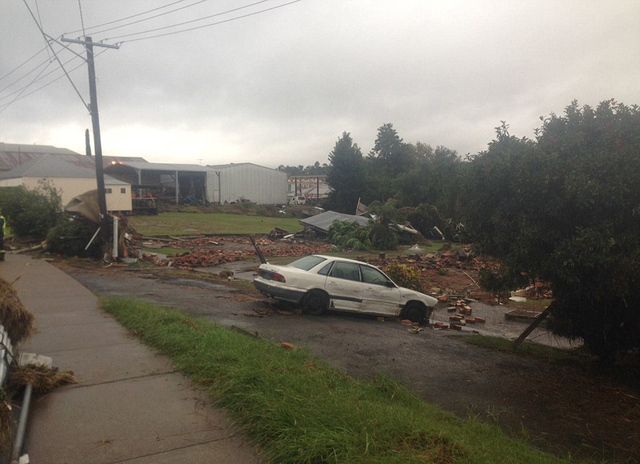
(231, 165)
(53, 166)
(165, 167)
(323, 221)
(13, 155)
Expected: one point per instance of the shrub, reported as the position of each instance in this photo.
(31, 213)
(70, 237)
(348, 234)
(405, 276)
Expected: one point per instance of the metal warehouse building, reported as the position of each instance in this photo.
(226, 183)
(246, 182)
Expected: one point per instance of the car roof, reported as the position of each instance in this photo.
(337, 258)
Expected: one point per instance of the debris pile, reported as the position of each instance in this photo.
(461, 316)
(212, 251)
(202, 258)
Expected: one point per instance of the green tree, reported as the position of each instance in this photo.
(566, 208)
(346, 175)
(31, 213)
(390, 153)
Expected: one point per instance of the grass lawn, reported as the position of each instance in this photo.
(300, 410)
(176, 224)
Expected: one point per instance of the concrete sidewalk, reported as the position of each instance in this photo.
(130, 407)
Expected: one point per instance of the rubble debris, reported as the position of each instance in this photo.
(287, 346)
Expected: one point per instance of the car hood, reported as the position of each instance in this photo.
(412, 294)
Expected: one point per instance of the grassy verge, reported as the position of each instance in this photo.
(547, 353)
(209, 223)
(300, 410)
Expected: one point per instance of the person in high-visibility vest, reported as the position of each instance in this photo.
(3, 225)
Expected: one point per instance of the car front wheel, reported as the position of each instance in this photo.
(415, 312)
(315, 303)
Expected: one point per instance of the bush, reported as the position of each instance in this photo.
(348, 234)
(70, 237)
(405, 276)
(31, 213)
(383, 238)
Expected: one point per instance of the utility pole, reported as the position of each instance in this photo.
(95, 121)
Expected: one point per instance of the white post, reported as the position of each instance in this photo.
(115, 237)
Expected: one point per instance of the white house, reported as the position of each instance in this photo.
(69, 179)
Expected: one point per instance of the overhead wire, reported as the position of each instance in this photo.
(40, 22)
(155, 16)
(84, 34)
(6, 105)
(56, 55)
(25, 62)
(24, 76)
(128, 17)
(3, 107)
(202, 26)
(40, 78)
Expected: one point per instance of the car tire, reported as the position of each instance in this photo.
(315, 303)
(415, 312)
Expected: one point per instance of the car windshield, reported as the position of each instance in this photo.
(307, 262)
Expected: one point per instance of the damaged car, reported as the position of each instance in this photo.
(318, 283)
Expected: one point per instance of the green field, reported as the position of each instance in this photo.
(176, 224)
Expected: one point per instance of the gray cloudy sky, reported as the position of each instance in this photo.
(281, 86)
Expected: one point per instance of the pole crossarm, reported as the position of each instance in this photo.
(85, 42)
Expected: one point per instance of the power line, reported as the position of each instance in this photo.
(24, 89)
(81, 17)
(55, 54)
(6, 105)
(203, 26)
(40, 78)
(25, 75)
(90, 28)
(40, 21)
(25, 62)
(151, 17)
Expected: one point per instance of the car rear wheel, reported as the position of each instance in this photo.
(415, 312)
(315, 303)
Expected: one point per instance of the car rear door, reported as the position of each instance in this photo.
(344, 286)
(380, 295)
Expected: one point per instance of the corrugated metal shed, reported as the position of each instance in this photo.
(247, 182)
(321, 222)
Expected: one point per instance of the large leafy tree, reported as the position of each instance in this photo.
(346, 175)
(435, 179)
(390, 153)
(566, 207)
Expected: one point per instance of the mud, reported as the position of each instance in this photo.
(561, 408)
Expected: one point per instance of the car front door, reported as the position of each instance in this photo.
(344, 286)
(380, 295)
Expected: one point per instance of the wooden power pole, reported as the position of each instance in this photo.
(95, 121)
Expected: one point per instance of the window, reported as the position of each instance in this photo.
(348, 271)
(325, 270)
(107, 190)
(123, 190)
(373, 276)
(307, 262)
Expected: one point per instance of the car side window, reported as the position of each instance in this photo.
(348, 271)
(373, 276)
(325, 269)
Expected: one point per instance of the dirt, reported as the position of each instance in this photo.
(581, 409)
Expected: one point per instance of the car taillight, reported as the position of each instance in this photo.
(279, 277)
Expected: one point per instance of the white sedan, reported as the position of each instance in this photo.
(318, 283)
